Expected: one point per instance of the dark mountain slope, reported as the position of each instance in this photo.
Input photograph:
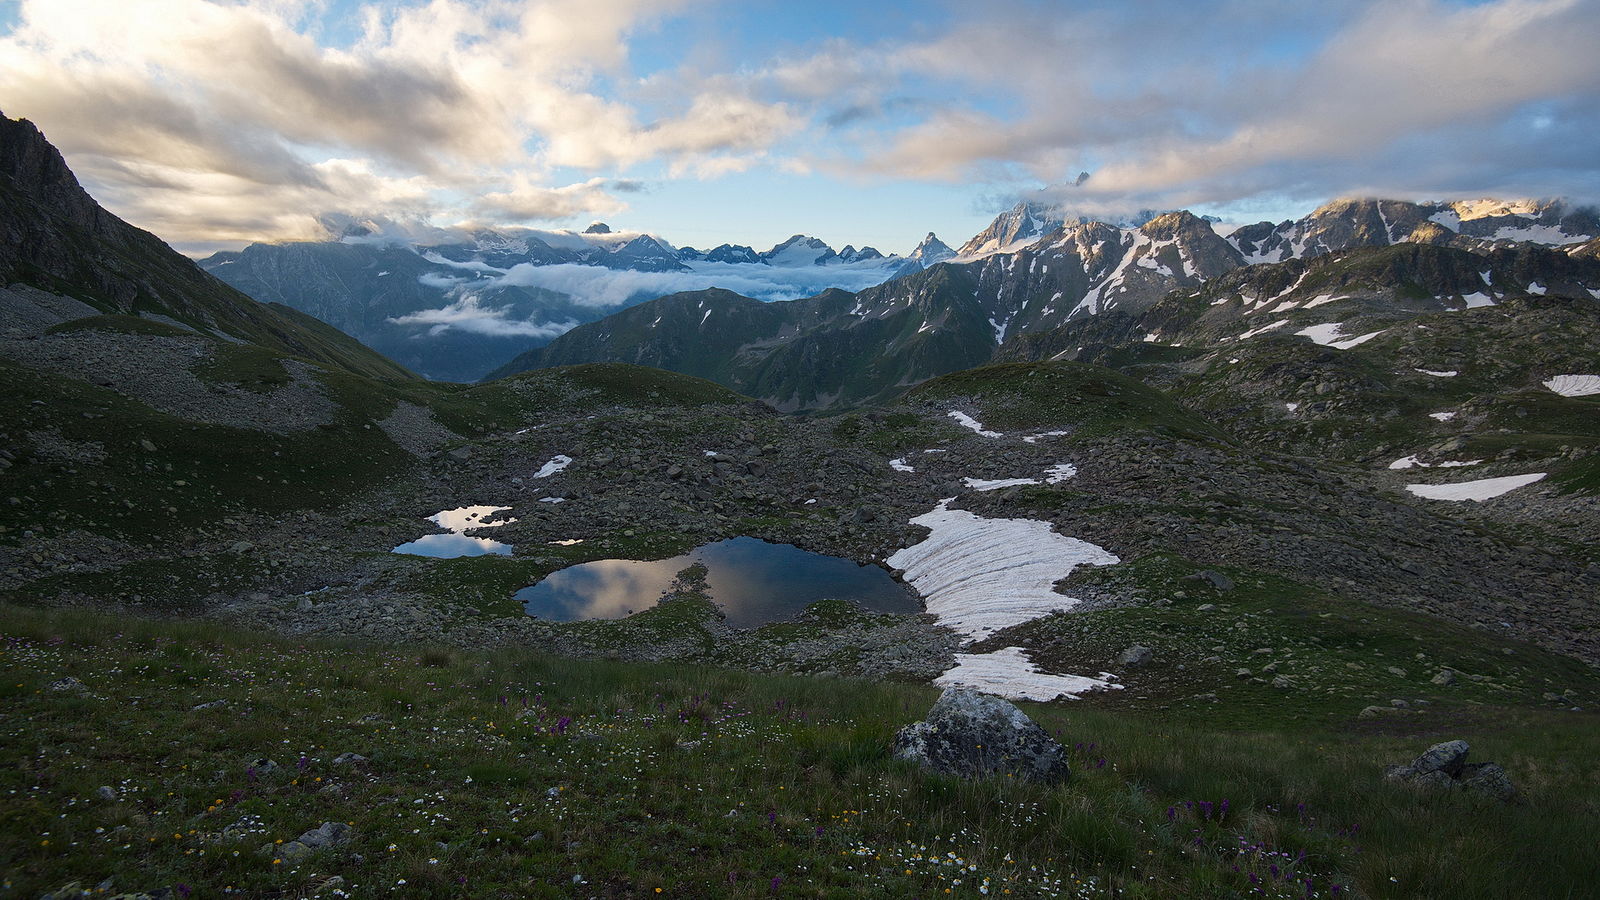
(55, 237)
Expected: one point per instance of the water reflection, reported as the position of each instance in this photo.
(470, 517)
(449, 546)
(753, 581)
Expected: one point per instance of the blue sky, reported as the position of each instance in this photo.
(218, 122)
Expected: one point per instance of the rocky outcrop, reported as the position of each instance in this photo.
(971, 735)
(1445, 767)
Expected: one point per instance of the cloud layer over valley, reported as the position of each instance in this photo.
(216, 123)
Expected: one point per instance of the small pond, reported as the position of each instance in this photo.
(449, 546)
(754, 583)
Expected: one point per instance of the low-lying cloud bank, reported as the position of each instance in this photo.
(474, 310)
(608, 288)
(468, 313)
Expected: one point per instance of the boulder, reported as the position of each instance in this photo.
(1488, 779)
(972, 735)
(328, 834)
(1136, 656)
(1447, 757)
(1445, 767)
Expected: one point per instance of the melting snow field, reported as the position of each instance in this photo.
(1009, 673)
(556, 464)
(979, 484)
(1059, 472)
(1035, 438)
(967, 421)
(900, 465)
(1412, 462)
(1450, 374)
(1482, 489)
(1442, 416)
(979, 575)
(1054, 475)
(1574, 385)
(1329, 335)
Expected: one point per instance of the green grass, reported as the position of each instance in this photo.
(120, 324)
(1094, 400)
(506, 775)
(1338, 655)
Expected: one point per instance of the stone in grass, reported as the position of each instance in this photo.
(348, 759)
(1136, 656)
(972, 735)
(1445, 767)
(328, 834)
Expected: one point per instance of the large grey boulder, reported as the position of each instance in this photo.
(1445, 767)
(1447, 757)
(972, 735)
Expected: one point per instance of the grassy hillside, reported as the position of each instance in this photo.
(516, 775)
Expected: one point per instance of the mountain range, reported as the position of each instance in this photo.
(836, 348)
(455, 305)
(1307, 515)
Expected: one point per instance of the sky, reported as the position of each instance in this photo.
(214, 123)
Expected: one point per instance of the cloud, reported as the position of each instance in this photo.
(527, 201)
(230, 121)
(469, 314)
(1171, 104)
(602, 288)
(223, 121)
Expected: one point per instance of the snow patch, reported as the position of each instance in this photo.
(980, 484)
(1412, 462)
(1009, 673)
(1442, 416)
(1476, 300)
(1450, 374)
(1329, 335)
(966, 421)
(1035, 438)
(1263, 329)
(1574, 385)
(979, 575)
(900, 465)
(557, 463)
(1059, 472)
(1482, 489)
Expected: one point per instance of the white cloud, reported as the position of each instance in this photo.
(469, 314)
(231, 120)
(608, 288)
(228, 120)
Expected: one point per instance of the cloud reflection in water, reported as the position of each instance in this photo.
(753, 581)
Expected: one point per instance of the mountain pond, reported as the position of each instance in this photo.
(457, 542)
(752, 581)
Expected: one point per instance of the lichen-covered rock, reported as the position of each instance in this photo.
(1445, 767)
(1488, 779)
(1447, 757)
(973, 735)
